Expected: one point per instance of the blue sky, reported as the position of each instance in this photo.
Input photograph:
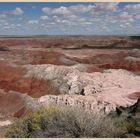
(69, 18)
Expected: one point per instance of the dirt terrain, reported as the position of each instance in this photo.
(97, 73)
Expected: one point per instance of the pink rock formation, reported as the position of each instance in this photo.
(111, 88)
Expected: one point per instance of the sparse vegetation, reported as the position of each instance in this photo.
(54, 122)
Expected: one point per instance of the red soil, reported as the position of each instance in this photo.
(131, 66)
(64, 41)
(10, 103)
(12, 78)
(46, 57)
(22, 112)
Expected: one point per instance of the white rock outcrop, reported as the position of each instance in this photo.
(110, 88)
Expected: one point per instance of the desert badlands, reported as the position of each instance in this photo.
(98, 74)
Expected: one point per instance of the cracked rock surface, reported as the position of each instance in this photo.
(112, 87)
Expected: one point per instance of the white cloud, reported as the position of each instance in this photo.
(125, 25)
(17, 11)
(46, 10)
(79, 9)
(44, 18)
(87, 15)
(94, 18)
(106, 7)
(33, 21)
(133, 8)
(2, 16)
(61, 11)
(6, 27)
(56, 11)
(125, 16)
(74, 15)
(18, 25)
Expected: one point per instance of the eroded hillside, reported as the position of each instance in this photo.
(70, 71)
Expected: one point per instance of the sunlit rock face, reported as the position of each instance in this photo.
(112, 87)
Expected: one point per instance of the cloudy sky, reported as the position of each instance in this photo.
(69, 18)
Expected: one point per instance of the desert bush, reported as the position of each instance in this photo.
(22, 128)
(64, 122)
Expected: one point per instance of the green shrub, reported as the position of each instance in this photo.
(32, 122)
(64, 122)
